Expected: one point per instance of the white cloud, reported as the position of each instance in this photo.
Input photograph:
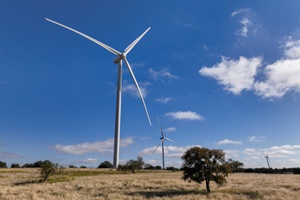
(257, 138)
(185, 115)
(283, 75)
(84, 148)
(89, 161)
(243, 31)
(281, 151)
(231, 153)
(170, 151)
(245, 22)
(163, 73)
(279, 77)
(251, 152)
(170, 129)
(132, 90)
(274, 151)
(235, 75)
(239, 11)
(164, 100)
(226, 141)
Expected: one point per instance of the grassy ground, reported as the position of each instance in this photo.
(106, 184)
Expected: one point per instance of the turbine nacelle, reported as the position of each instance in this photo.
(119, 58)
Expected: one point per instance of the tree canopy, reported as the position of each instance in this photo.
(235, 165)
(3, 164)
(202, 164)
(105, 164)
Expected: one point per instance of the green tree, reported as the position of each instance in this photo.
(202, 164)
(235, 165)
(105, 164)
(48, 169)
(15, 165)
(3, 164)
(135, 164)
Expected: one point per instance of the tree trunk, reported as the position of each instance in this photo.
(207, 186)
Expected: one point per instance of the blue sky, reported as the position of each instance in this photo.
(221, 75)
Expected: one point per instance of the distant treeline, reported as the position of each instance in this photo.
(295, 170)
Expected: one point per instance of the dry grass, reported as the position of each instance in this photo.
(100, 184)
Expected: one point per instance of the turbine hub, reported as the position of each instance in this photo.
(118, 59)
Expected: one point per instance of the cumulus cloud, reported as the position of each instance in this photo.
(234, 75)
(281, 151)
(91, 147)
(278, 78)
(283, 75)
(89, 161)
(257, 138)
(273, 152)
(170, 151)
(231, 153)
(161, 74)
(170, 129)
(185, 115)
(164, 100)
(226, 141)
(132, 90)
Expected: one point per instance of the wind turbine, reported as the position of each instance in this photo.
(118, 60)
(162, 139)
(268, 161)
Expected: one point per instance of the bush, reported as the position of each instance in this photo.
(105, 164)
(3, 164)
(48, 169)
(15, 165)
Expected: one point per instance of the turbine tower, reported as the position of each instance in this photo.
(118, 60)
(268, 161)
(162, 144)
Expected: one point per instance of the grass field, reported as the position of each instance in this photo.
(104, 184)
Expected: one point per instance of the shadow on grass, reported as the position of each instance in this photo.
(28, 182)
(168, 193)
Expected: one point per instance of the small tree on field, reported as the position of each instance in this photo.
(15, 165)
(235, 165)
(135, 164)
(105, 164)
(48, 169)
(3, 164)
(202, 164)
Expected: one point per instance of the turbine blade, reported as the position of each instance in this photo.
(157, 146)
(138, 88)
(128, 49)
(169, 139)
(112, 50)
(162, 133)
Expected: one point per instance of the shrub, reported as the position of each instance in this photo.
(3, 164)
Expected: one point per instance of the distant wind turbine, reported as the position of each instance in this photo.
(268, 161)
(162, 139)
(118, 60)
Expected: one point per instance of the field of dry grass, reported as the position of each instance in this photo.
(98, 184)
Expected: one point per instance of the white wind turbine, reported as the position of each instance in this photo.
(268, 160)
(118, 60)
(162, 139)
